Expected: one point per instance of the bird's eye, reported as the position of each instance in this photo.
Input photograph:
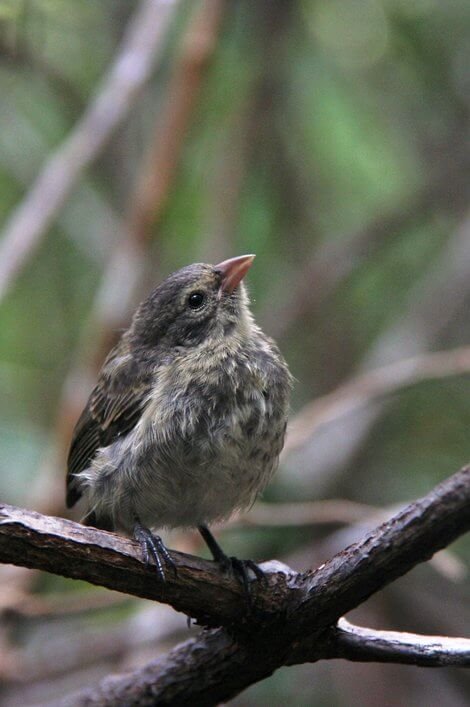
(196, 300)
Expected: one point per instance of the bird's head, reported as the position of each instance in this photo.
(198, 304)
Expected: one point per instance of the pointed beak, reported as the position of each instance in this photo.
(233, 271)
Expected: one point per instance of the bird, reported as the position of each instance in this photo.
(187, 419)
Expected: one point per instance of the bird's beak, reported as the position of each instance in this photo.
(233, 271)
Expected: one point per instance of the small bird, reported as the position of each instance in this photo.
(188, 417)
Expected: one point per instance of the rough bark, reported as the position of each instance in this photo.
(294, 617)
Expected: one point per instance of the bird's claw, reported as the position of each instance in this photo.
(238, 568)
(152, 546)
(241, 570)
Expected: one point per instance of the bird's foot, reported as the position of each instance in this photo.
(152, 546)
(241, 570)
(238, 568)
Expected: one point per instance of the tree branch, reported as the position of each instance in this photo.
(366, 644)
(386, 553)
(217, 668)
(203, 671)
(291, 617)
(201, 591)
(73, 550)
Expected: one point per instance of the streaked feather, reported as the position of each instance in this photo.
(113, 409)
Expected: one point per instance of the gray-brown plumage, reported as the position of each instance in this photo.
(188, 417)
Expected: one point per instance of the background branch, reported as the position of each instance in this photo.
(144, 40)
(366, 387)
(432, 302)
(335, 261)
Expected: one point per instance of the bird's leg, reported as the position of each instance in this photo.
(240, 568)
(152, 546)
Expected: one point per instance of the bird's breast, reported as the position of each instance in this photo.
(207, 442)
(207, 406)
(208, 415)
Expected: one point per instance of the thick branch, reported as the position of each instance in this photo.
(314, 600)
(388, 552)
(203, 671)
(292, 615)
(63, 547)
(217, 668)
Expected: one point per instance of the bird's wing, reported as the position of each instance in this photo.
(113, 409)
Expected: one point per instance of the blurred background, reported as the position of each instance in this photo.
(330, 138)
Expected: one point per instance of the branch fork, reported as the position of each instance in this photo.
(296, 617)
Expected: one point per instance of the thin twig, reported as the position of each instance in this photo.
(163, 157)
(434, 300)
(366, 644)
(334, 261)
(366, 387)
(143, 42)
